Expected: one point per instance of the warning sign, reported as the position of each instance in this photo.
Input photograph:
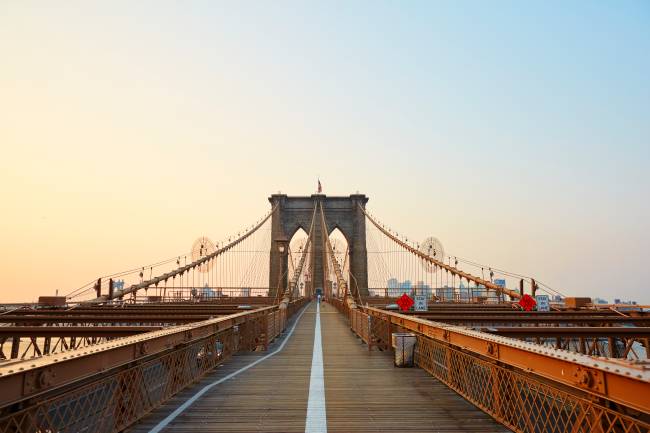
(527, 302)
(405, 302)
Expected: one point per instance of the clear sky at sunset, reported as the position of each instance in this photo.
(516, 132)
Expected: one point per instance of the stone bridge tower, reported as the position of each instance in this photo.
(340, 212)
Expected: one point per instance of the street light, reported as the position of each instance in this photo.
(282, 278)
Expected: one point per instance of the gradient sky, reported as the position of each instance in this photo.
(516, 132)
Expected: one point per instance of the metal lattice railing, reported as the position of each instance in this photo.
(119, 397)
(517, 400)
(118, 400)
(360, 324)
(523, 402)
(275, 323)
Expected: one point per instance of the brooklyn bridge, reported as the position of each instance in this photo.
(319, 316)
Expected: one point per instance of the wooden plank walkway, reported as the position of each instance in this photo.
(363, 391)
(366, 393)
(269, 397)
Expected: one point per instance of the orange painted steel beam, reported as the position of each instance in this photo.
(486, 310)
(467, 319)
(613, 380)
(569, 331)
(455, 271)
(103, 309)
(74, 331)
(31, 377)
(107, 318)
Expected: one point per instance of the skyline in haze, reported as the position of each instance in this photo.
(517, 134)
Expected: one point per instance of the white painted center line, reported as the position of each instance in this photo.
(316, 410)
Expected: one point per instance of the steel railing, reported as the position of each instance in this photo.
(526, 387)
(109, 387)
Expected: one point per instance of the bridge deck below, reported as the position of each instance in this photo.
(363, 391)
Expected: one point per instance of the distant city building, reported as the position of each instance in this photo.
(480, 292)
(445, 293)
(207, 292)
(396, 288)
(600, 301)
(393, 287)
(630, 302)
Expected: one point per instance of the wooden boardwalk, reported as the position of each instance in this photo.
(363, 391)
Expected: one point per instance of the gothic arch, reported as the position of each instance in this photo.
(341, 212)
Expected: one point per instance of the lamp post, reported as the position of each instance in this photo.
(283, 250)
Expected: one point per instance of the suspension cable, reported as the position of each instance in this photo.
(340, 281)
(293, 283)
(180, 271)
(469, 277)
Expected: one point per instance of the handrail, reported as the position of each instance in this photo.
(54, 370)
(619, 382)
(109, 386)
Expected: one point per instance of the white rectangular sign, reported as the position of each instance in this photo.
(420, 302)
(543, 303)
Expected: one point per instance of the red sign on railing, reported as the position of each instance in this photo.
(527, 302)
(405, 302)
